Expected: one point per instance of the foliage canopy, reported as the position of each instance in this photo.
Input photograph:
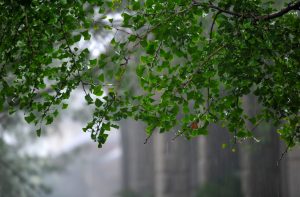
(255, 49)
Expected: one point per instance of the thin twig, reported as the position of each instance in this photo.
(292, 139)
(98, 84)
(225, 45)
(283, 11)
(212, 25)
(106, 109)
(190, 125)
(252, 129)
(117, 29)
(146, 140)
(144, 13)
(156, 54)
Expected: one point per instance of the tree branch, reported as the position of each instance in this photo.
(283, 11)
(216, 51)
(73, 58)
(117, 29)
(115, 91)
(212, 25)
(292, 139)
(252, 129)
(146, 140)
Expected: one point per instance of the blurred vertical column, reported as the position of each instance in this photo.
(138, 163)
(290, 165)
(217, 167)
(261, 176)
(174, 166)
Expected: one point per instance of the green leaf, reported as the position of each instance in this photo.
(205, 132)
(241, 134)
(101, 64)
(109, 4)
(65, 106)
(101, 10)
(139, 71)
(186, 119)
(93, 62)
(143, 59)
(253, 120)
(38, 132)
(30, 118)
(106, 126)
(87, 25)
(1, 104)
(102, 56)
(250, 134)
(185, 110)
(42, 86)
(77, 38)
(136, 6)
(101, 77)
(115, 126)
(91, 11)
(49, 120)
(110, 73)
(208, 74)
(149, 3)
(98, 90)
(86, 35)
(225, 145)
(113, 41)
(98, 102)
(55, 113)
(88, 98)
(195, 38)
(150, 49)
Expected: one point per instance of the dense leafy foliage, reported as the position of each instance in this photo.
(251, 48)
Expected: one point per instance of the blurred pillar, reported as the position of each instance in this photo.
(138, 163)
(215, 162)
(174, 165)
(261, 177)
(290, 168)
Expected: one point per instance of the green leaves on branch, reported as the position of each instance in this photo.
(201, 72)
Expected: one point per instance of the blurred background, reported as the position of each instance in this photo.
(65, 162)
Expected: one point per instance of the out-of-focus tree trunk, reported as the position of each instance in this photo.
(173, 166)
(259, 171)
(138, 163)
(291, 165)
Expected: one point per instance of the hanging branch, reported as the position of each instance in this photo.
(292, 139)
(106, 109)
(149, 136)
(29, 34)
(252, 129)
(190, 124)
(117, 29)
(156, 54)
(216, 51)
(212, 25)
(283, 11)
(73, 58)
(115, 91)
